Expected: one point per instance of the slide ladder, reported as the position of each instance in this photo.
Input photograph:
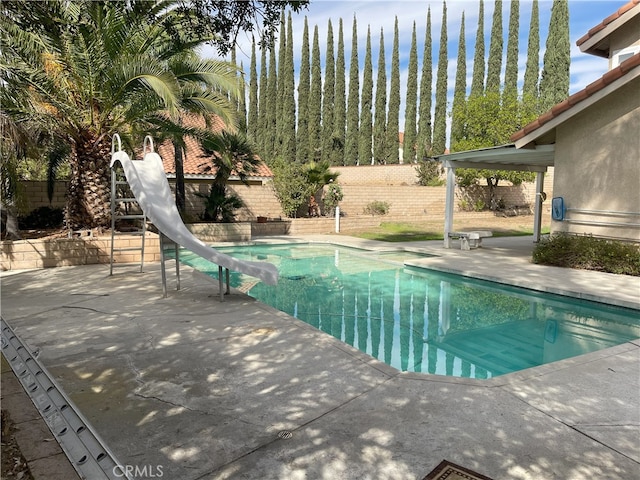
(124, 207)
(150, 187)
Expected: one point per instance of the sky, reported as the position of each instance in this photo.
(381, 14)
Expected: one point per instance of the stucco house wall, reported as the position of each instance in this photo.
(604, 140)
(624, 37)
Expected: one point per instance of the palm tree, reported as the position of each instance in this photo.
(230, 153)
(84, 70)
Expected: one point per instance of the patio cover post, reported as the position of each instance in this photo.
(537, 213)
(450, 199)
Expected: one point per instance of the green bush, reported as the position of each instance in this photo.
(377, 207)
(429, 173)
(291, 186)
(333, 196)
(589, 253)
(220, 205)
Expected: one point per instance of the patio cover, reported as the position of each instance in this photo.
(505, 157)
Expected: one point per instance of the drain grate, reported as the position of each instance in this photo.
(87, 452)
(285, 434)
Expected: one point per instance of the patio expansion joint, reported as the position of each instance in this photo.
(577, 427)
(298, 428)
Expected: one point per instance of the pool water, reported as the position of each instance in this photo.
(419, 320)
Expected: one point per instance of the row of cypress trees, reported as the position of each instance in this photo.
(329, 124)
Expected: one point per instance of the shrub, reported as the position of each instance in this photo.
(42, 217)
(333, 196)
(429, 173)
(220, 205)
(479, 206)
(464, 205)
(291, 186)
(589, 253)
(377, 207)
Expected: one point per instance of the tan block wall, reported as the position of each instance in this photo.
(46, 253)
(361, 185)
(259, 200)
(214, 232)
(35, 195)
(397, 174)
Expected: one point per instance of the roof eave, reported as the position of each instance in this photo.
(596, 41)
(504, 157)
(546, 128)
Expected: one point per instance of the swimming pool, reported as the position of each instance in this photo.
(419, 320)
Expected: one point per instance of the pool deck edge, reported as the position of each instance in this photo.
(236, 389)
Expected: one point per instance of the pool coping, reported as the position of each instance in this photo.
(431, 255)
(573, 418)
(497, 381)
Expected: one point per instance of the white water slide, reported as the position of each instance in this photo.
(149, 185)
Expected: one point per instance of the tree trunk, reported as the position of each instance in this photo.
(89, 189)
(9, 222)
(179, 165)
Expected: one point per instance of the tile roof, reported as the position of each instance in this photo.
(608, 78)
(611, 18)
(197, 163)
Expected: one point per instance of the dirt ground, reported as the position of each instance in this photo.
(13, 464)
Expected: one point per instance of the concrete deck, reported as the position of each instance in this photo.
(202, 388)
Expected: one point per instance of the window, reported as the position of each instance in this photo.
(620, 56)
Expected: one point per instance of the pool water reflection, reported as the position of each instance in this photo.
(419, 320)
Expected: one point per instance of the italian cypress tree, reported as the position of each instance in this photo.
(242, 103)
(460, 91)
(554, 83)
(304, 85)
(340, 113)
(440, 115)
(252, 119)
(365, 146)
(531, 73)
(352, 135)
(411, 103)
(272, 106)
(393, 114)
(328, 96)
(232, 100)
(477, 80)
(289, 100)
(380, 122)
(263, 120)
(495, 51)
(282, 49)
(315, 100)
(510, 93)
(424, 122)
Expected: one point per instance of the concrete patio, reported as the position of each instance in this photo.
(203, 389)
